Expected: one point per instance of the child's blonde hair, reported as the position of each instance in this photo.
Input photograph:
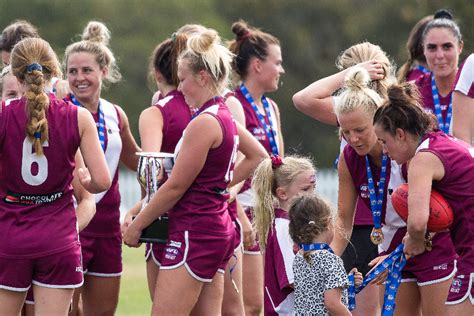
(310, 215)
(270, 174)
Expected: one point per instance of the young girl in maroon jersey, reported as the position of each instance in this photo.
(439, 162)
(36, 186)
(279, 180)
(201, 234)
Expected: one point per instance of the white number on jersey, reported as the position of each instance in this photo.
(229, 173)
(471, 151)
(27, 161)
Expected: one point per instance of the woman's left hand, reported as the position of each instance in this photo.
(379, 279)
(413, 246)
(131, 236)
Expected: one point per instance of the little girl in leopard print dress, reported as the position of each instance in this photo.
(320, 279)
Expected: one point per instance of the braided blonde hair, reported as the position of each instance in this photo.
(34, 63)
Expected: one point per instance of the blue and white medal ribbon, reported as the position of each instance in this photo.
(268, 129)
(100, 124)
(394, 263)
(423, 69)
(376, 200)
(443, 124)
(351, 292)
(316, 246)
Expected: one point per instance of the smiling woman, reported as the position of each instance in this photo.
(88, 64)
(442, 45)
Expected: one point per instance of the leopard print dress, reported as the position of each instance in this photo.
(324, 272)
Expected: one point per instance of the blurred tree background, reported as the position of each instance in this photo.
(312, 34)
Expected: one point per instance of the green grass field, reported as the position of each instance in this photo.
(134, 298)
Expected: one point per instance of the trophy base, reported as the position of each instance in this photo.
(157, 232)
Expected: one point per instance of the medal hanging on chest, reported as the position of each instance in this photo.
(376, 200)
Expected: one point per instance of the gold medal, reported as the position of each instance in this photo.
(376, 236)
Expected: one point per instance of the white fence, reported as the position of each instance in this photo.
(326, 185)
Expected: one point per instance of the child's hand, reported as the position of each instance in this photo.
(379, 279)
(358, 278)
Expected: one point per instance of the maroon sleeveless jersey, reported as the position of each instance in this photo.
(456, 187)
(37, 215)
(203, 207)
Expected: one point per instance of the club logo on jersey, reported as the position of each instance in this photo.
(456, 285)
(171, 253)
(31, 199)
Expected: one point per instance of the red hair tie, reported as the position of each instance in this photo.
(276, 161)
(244, 36)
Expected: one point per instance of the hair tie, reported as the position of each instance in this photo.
(244, 36)
(37, 135)
(443, 14)
(311, 223)
(32, 67)
(276, 161)
(173, 37)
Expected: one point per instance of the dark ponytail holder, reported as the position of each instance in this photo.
(32, 67)
(443, 14)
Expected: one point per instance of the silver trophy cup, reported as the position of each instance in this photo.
(153, 168)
